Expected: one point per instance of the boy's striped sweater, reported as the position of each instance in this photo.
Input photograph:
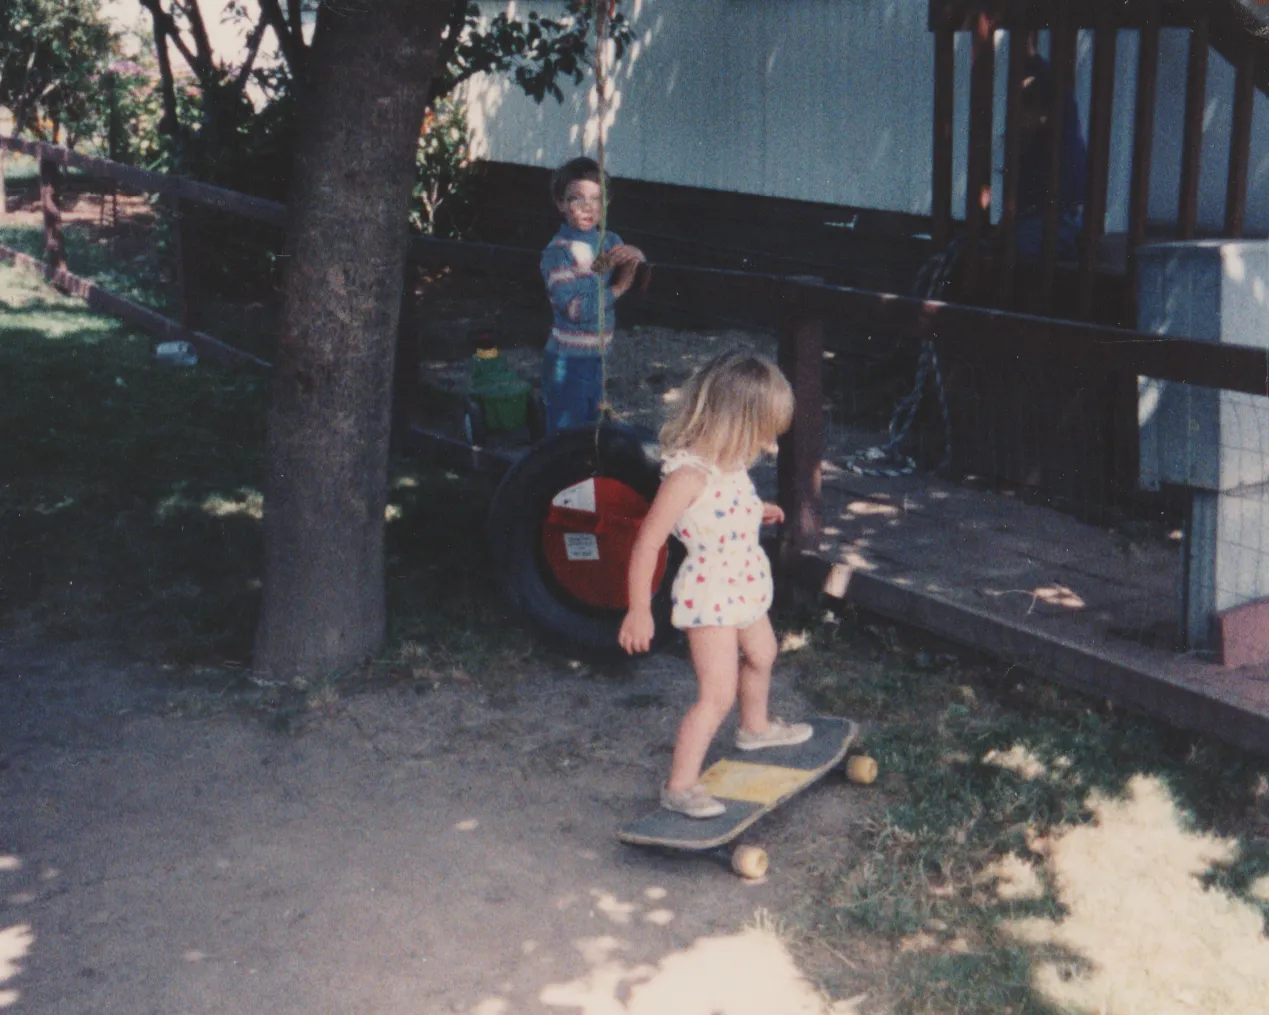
(573, 289)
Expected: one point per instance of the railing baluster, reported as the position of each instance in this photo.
(1142, 150)
(1240, 143)
(1013, 154)
(1192, 139)
(1062, 57)
(944, 83)
(978, 184)
(1102, 104)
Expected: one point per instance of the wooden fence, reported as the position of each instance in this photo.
(797, 307)
(1221, 25)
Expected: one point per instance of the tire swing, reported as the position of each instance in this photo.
(561, 527)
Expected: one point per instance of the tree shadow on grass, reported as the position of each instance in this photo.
(1033, 843)
(116, 516)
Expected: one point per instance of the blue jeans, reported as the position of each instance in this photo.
(572, 386)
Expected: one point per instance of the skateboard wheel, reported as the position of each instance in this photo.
(861, 769)
(750, 862)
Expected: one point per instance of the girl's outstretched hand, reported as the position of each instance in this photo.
(772, 514)
(636, 631)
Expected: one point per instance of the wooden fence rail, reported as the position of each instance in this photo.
(797, 307)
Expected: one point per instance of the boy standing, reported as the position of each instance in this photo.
(573, 268)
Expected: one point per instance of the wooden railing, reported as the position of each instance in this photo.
(796, 306)
(1213, 24)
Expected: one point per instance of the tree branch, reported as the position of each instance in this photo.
(253, 48)
(207, 58)
(292, 45)
(453, 34)
(171, 30)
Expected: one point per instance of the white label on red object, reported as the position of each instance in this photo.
(579, 497)
(581, 546)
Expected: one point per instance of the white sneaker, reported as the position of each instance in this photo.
(777, 734)
(694, 802)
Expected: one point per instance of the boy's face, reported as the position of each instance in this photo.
(581, 204)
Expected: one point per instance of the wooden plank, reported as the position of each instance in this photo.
(152, 321)
(1063, 56)
(144, 180)
(1018, 49)
(1240, 143)
(944, 92)
(1192, 136)
(978, 171)
(1018, 15)
(802, 448)
(1023, 336)
(1142, 150)
(186, 258)
(1101, 107)
(54, 247)
(1084, 667)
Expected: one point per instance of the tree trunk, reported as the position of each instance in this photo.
(323, 606)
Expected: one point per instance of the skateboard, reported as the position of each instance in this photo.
(751, 784)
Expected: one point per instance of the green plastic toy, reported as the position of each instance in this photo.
(498, 398)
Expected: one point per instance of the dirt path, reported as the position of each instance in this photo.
(399, 853)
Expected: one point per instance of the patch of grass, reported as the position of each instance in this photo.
(130, 512)
(126, 510)
(981, 765)
(141, 278)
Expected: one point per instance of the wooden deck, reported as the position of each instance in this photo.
(1065, 600)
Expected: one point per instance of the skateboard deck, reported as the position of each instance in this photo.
(751, 784)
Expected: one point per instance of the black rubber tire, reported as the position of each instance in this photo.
(474, 424)
(519, 508)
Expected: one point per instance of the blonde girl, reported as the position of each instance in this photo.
(731, 410)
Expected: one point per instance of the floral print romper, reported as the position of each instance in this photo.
(725, 580)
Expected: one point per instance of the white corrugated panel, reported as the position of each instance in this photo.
(831, 100)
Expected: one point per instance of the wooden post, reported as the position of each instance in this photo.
(978, 170)
(186, 251)
(54, 248)
(1018, 45)
(1142, 150)
(1240, 143)
(1060, 65)
(1192, 142)
(944, 83)
(801, 449)
(1102, 103)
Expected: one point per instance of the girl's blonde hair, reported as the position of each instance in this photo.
(732, 408)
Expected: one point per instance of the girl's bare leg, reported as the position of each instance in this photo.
(758, 644)
(715, 656)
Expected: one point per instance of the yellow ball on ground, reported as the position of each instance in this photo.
(861, 769)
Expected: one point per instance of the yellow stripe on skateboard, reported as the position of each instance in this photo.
(756, 784)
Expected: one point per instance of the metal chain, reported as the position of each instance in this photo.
(887, 459)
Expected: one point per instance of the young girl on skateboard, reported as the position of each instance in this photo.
(732, 409)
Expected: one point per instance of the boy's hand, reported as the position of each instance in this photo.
(624, 261)
(772, 514)
(636, 631)
(617, 258)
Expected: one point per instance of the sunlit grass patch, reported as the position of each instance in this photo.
(991, 780)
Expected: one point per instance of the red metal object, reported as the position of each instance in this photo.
(588, 551)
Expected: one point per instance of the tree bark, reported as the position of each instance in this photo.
(323, 608)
